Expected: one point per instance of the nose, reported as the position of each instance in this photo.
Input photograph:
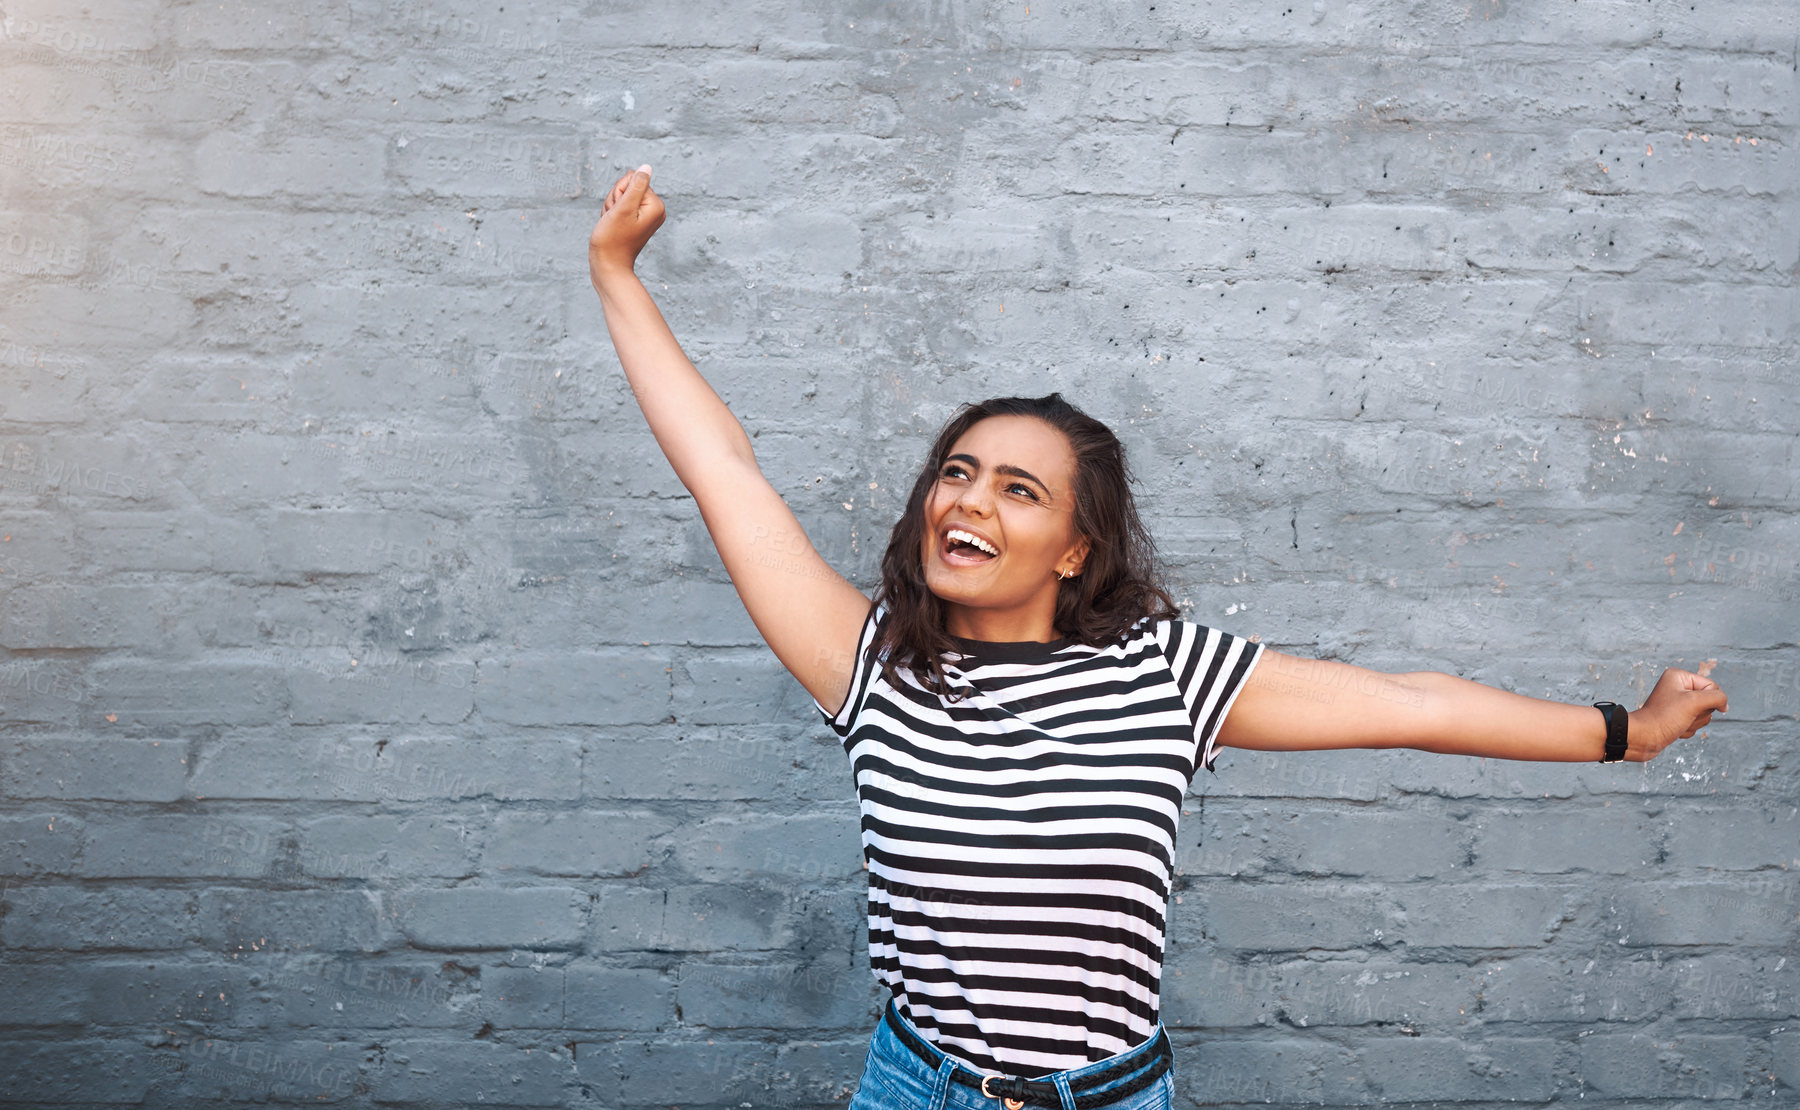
(973, 499)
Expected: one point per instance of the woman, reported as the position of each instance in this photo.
(1024, 708)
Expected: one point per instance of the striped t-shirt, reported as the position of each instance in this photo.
(1020, 841)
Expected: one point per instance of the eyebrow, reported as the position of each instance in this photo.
(1007, 469)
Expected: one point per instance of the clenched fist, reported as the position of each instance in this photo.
(631, 215)
(1680, 704)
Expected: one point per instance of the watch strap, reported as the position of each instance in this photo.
(1616, 720)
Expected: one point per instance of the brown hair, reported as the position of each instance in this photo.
(1120, 583)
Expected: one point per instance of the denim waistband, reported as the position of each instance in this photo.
(909, 1060)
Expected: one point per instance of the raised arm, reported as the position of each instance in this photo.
(809, 615)
(1294, 704)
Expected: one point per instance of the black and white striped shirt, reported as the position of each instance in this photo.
(1020, 842)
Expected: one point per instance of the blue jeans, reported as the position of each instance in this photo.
(895, 1078)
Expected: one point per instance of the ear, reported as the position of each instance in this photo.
(1076, 556)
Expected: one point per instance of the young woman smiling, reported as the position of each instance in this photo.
(1023, 707)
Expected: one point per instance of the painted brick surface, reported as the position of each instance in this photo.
(379, 728)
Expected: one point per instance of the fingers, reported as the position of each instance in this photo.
(635, 183)
(638, 180)
(618, 191)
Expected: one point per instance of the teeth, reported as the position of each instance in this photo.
(972, 539)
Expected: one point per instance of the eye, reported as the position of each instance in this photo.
(952, 469)
(1029, 492)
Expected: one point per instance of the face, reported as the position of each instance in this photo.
(1008, 482)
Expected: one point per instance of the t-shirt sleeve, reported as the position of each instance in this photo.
(845, 717)
(1210, 667)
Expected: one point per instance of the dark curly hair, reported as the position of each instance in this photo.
(1120, 583)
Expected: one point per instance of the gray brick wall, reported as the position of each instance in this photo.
(380, 728)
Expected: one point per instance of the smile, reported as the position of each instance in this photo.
(963, 546)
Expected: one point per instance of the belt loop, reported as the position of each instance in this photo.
(1061, 1079)
(940, 1087)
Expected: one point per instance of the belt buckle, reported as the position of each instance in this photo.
(1006, 1101)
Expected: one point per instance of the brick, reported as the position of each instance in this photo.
(1726, 985)
(481, 1071)
(1227, 1069)
(1415, 844)
(384, 846)
(1641, 1065)
(497, 917)
(802, 847)
(1218, 992)
(42, 993)
(1785, 1048)
(436, 162)
(722, 1072)
(727, 690)
(186, 845)
(1324, 774)
(607, 845)
(1734, 839)
(822, 1071)
(1416, 1069)
(1611, 839)
(248, 920)
(1585, 989)
(1280, 917)
(122, 994)
(355, 318)
(87, 617)
(52, 28)
(146, 540)
(55, 314)
(1480, 916)
(699, 918)
(245, 1070)
(134, 692)
(45, 691)
(43, 843)
(618, 998)
(598, 689)
(385, 686)
(241, 25)
(403, 769)
(124, 918)
(523, 997)
(234, 165)
(346, 542)
(77, 1071)
(349, 991)
(1678, 912)
(758, 762)
(778, 996)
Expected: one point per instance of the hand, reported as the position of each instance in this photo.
(631, 214)
(1681, 704)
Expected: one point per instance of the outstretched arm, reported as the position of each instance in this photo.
(1294, 704)
(810, 616)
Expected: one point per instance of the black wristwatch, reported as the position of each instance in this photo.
(1615, 730)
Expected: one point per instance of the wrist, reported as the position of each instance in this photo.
(610, 273)
(1616, 731)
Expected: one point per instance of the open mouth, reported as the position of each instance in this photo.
(962, 546)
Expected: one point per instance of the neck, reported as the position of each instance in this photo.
(1034, 624)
